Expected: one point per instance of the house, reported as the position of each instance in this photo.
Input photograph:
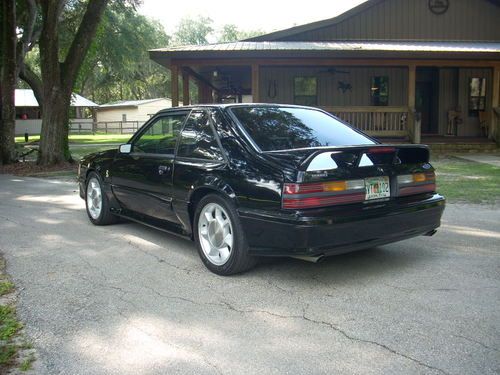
(393, 68)
(127, 115)
(29, 119)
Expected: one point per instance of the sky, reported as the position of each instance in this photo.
(266, 15)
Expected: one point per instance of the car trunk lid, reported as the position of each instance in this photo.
(324, 176)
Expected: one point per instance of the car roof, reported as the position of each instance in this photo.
(231, 105)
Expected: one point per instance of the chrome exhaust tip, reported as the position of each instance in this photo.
(312, 259)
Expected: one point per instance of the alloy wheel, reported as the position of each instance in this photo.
(216, 233)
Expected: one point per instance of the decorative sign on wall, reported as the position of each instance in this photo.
(438, 6)
(344, 86)
(272, 89)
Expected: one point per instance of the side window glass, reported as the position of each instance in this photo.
(197, 138)
(161, 136)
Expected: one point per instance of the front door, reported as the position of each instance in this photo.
(142, 180)
(427, 99)
(423, 105)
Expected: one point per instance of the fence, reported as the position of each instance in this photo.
(117, 127)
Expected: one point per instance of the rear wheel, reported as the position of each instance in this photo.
(220, 238)
(97, 202)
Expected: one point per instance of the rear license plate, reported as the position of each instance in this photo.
(377, 187)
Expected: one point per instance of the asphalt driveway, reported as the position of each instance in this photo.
(126, 299)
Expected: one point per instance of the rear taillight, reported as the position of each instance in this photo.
(417, 183)
(309, 195)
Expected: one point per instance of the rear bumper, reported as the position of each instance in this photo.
(341, 229)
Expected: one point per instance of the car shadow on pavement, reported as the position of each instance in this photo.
(354, 266)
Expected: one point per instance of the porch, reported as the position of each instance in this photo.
(428, 84)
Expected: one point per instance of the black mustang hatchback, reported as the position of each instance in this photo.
(253, 180)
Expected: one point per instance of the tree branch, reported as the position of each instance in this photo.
(27, 39)
(82, 41)
(30, 77)
(49, 43)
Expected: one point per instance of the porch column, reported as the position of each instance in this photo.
(174, 82)
(185, 89)
(413, 126)
(494, 132)
(204, 93)
(255, 83)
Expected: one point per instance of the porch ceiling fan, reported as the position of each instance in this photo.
(333, 70)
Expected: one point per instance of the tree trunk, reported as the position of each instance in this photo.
(55, 128)
(58, 78)
(8, 82)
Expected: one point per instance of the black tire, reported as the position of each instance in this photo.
(105, 216)
(239, 260)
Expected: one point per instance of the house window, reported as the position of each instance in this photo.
(477, 94)
(380, 90)
(305, 91)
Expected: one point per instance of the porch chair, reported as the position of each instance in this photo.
(484, 123)
(454, 119)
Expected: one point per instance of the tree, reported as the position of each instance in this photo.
(231, 33)
(58, 68)
(193, 31)
(58, 77)
(8, 81)
(117, 65)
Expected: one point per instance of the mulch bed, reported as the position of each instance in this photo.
(31, 168)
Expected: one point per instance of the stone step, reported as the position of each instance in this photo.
(463, 147)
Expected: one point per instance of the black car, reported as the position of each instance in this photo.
(250, 180)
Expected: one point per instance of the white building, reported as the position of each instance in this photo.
(28, 113)
(131, 110)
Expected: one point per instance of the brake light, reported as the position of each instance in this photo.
(381, 150)
(417, 183)
(308, 195)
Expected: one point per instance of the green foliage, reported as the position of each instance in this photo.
(118, 65)
(7, 353)
(27, 363)
(12, 344)
(6, 287)
(231, 33)
(9, 325)
(193, 31)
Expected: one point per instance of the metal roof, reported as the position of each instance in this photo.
(26, 98)
(390, 46)
(130, 103)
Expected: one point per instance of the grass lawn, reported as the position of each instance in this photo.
(467, 181)
(86, 138)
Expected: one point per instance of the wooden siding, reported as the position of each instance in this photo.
(328, 93)
(412, 20)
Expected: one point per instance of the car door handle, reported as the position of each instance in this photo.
(162, 169)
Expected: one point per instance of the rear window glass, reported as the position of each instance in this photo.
(283, 128)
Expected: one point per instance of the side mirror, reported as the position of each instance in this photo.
(125, 148)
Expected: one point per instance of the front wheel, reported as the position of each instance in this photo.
(97, 203)
(220, 238)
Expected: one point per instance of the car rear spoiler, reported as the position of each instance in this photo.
(359, 156)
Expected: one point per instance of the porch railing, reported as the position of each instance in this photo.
(377, 121)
